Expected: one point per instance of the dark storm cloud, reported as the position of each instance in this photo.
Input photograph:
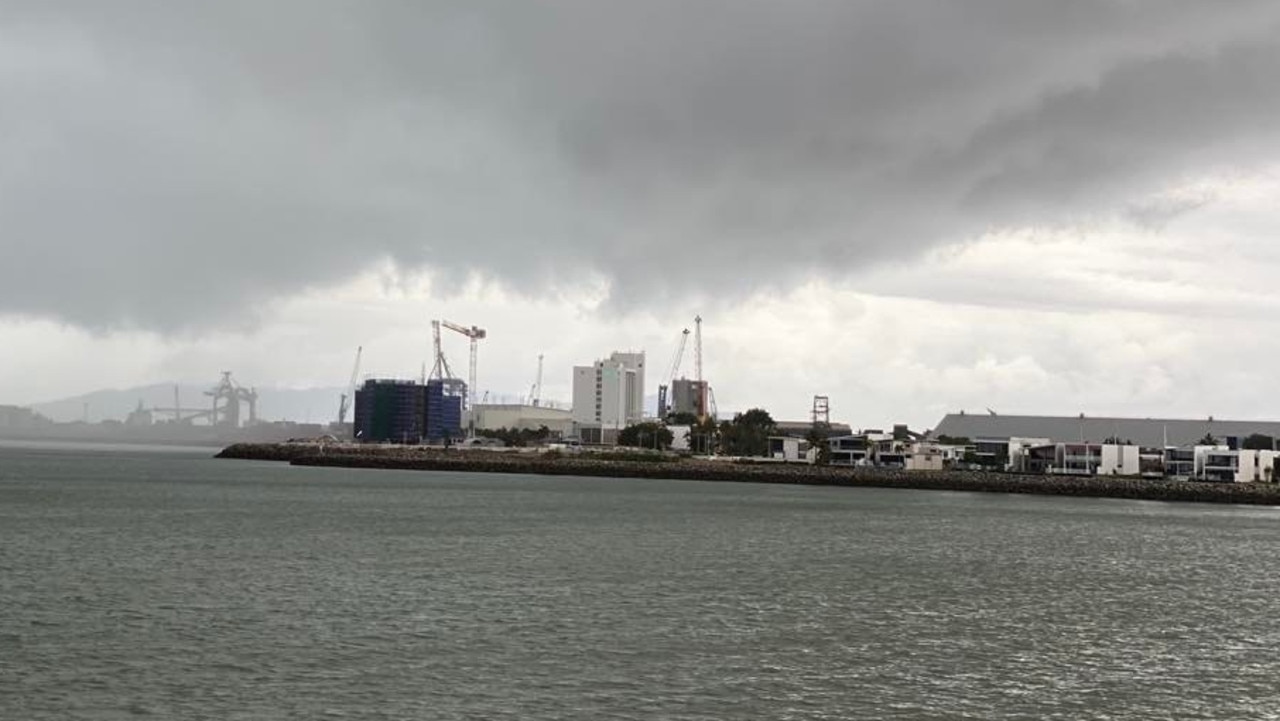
(174, 165)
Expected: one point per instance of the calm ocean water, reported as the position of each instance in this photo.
(164, 584)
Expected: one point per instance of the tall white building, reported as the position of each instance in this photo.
(608, 396)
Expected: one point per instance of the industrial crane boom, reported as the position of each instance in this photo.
(440, 369)
(474, 333)
(679, 356)
(697, 349)
(345, 404)
(535, 392)
(670, 378)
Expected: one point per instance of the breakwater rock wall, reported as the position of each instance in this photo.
(269, 451)
(476, 461)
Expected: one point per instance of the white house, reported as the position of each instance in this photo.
(1219, 463)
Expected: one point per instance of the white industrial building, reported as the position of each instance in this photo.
(608, 396)
(520, 416)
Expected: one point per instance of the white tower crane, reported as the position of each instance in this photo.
(345, 404)
(440, 369)
(475, 334)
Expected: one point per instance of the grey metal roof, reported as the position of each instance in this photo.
(800, 429)
(1141, 431)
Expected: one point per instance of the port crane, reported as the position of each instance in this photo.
(345, 404)
(231, 394)
(670, 377)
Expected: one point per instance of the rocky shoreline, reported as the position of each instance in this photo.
(476, 461)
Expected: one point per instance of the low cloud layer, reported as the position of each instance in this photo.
(175, 168)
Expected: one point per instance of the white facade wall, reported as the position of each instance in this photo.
(1256, 466)
(790, 450)
(610, 394)
(1248, 468)
(680, 437)
(584, 394)
(1119, 461)
(495, 416)
(1267, 466)
(926, 457)
(1202, 454)
(633, 392)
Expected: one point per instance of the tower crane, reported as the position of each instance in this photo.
(474, 333)
(345, 404)
(670, 377)
(440, 369)
(697, 367)
(535, 391)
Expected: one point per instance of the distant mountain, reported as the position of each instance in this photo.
(314, 405)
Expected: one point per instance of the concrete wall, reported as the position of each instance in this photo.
(584, 394)
(633, 390)
(680, 440)
(788, 449)
(610, 392)
(926, 459)
(495, 416)
(1255, 466)
(1119, 461)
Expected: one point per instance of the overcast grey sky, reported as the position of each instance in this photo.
(909, 206)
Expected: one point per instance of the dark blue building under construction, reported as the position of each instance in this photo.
(405, 411)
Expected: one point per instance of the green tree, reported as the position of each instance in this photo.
(682, 419)
(820, 440)
(1208, 440)
(646, 435)
(517, 437)
(704, 436)
(1259, 442)
(747, 434)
